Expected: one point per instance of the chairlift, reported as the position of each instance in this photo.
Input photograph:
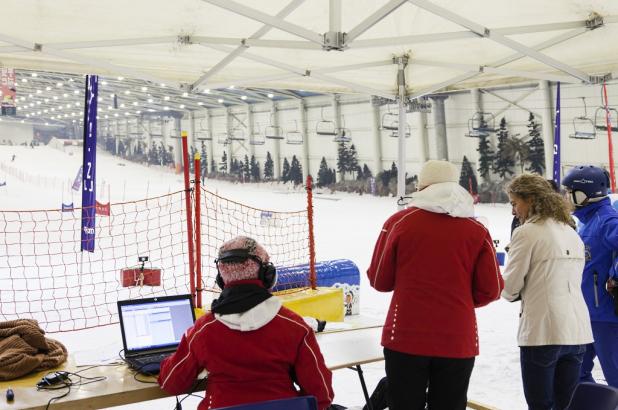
(257, 138)
(223, 139)
(236, 134)
(583, 126)
(599, 118)
(390, 121)
(325, 127)
(272, 131)
(481, 124)
(395, 133)
(343, 135)
(294, 137)
(203, 134)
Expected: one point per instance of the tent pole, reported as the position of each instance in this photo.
(401, 146)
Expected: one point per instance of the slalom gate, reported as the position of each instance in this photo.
(44, 275)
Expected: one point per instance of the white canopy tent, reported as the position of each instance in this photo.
(394, 49)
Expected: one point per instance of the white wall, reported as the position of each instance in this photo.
(16, 132)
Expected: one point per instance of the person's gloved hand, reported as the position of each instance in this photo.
(316, 324)
(612, 288)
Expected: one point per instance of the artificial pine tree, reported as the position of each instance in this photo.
(203, 158)
(536, 155)
(467, 178)
(296, 171)
(254, 168)
(223, 164)
(504, 160)
(213, 167)
(324, 177)
(268, 167)
(192, 152)
(247, 169)
(486, 157)
(352, 164)
(366, 172)
(285, 171)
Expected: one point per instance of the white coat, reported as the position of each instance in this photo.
(546, 261)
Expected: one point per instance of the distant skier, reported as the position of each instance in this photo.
(13, 158)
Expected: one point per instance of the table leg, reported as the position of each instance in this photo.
(359, 370)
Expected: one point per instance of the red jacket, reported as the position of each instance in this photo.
(249, 366)
(440, 268)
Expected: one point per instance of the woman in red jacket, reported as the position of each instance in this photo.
(440, 264)
(252, 347)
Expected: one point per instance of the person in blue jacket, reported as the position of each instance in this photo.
(588, 188)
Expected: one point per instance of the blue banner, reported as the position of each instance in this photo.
(557, 138)
(77, 182)
(89, 164)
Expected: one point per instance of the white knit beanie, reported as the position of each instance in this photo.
(247, 269)
(435, 172)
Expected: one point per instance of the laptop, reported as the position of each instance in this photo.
(152, 328)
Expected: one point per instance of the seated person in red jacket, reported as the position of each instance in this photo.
(253, 348)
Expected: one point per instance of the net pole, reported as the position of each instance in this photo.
(185, 161)
(608, 123)
(198, 229)
(312, 274)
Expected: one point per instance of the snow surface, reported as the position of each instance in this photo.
(346, 226)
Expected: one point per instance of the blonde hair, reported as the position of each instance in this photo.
(545, 202)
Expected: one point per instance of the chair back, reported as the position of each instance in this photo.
(294, 403)
(594, 396)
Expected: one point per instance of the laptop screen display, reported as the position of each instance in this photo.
(155, 323)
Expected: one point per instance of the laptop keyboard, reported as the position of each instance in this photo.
(153, 358)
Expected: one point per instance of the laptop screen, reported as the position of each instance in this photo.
(154, 323)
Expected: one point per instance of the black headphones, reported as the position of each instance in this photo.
(267, 273)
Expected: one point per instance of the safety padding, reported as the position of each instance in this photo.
(339, 273)
(321, 303)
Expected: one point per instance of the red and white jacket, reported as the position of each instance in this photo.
(250, 357)
(440, 264)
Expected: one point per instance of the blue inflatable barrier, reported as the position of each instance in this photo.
(340, 273)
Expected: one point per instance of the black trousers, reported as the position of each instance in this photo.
(417, 381)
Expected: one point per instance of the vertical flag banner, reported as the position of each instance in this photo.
(77, 182)
(7, 92)
(89, 164)
(557, 138)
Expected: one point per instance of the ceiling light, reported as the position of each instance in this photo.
(39, 91)
(55, 97)
(166, 108)
(220, 100)
(48, 88)
(45, 111)
(151, 110)
(116, 114)
(162, 85)
(207, 91)
(144, 89)
(182, 106)
(22, 98)
(166, 98)
(200, 103)
(111, 95)
(104, 82)
(53, 109)
(126, 113)
(46, 100)
(244, 97)
(185, 94)
(34, 74)
(122, 105)
(138, 112)
(38, 103)
(99, 99)
(150, 100)
(134, 103)
(70, 80)
(270, 95)
(231, 87)
(30, 95)
(23, 80)
(46, 123)
(127, 92)
(75, 91)
(65, 95)
(120, 78)
(59, 84)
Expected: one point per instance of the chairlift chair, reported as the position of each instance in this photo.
(390, 121)
(599, 119)
(223, 139)
(395, 133)
(272, 131)
(343, 135)
(203, 135)
(236, 134)
(257, 138)
(326, 127)
(481, 124)
(583, 126)
(294, 137)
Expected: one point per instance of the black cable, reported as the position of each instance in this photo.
(66, 383)
(195, 386)
(138, 371)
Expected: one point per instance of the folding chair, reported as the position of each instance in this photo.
(594, 396)
(294, 403)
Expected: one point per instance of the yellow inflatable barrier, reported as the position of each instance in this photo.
(321, 303)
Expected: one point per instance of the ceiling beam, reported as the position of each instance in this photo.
(373, 19)
(483, 31)
(513, 102)
(293, 5)
(267, 19)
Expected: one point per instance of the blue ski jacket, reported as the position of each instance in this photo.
(599, 232)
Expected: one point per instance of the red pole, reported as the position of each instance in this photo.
(312, 274)
(185, 162)
(198, 230)
(608, 122)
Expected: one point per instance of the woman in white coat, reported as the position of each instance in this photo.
(546, 261)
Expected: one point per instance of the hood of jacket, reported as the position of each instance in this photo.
(254, 318)
(445, 198)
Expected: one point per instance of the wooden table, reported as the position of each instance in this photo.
(341, 349)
